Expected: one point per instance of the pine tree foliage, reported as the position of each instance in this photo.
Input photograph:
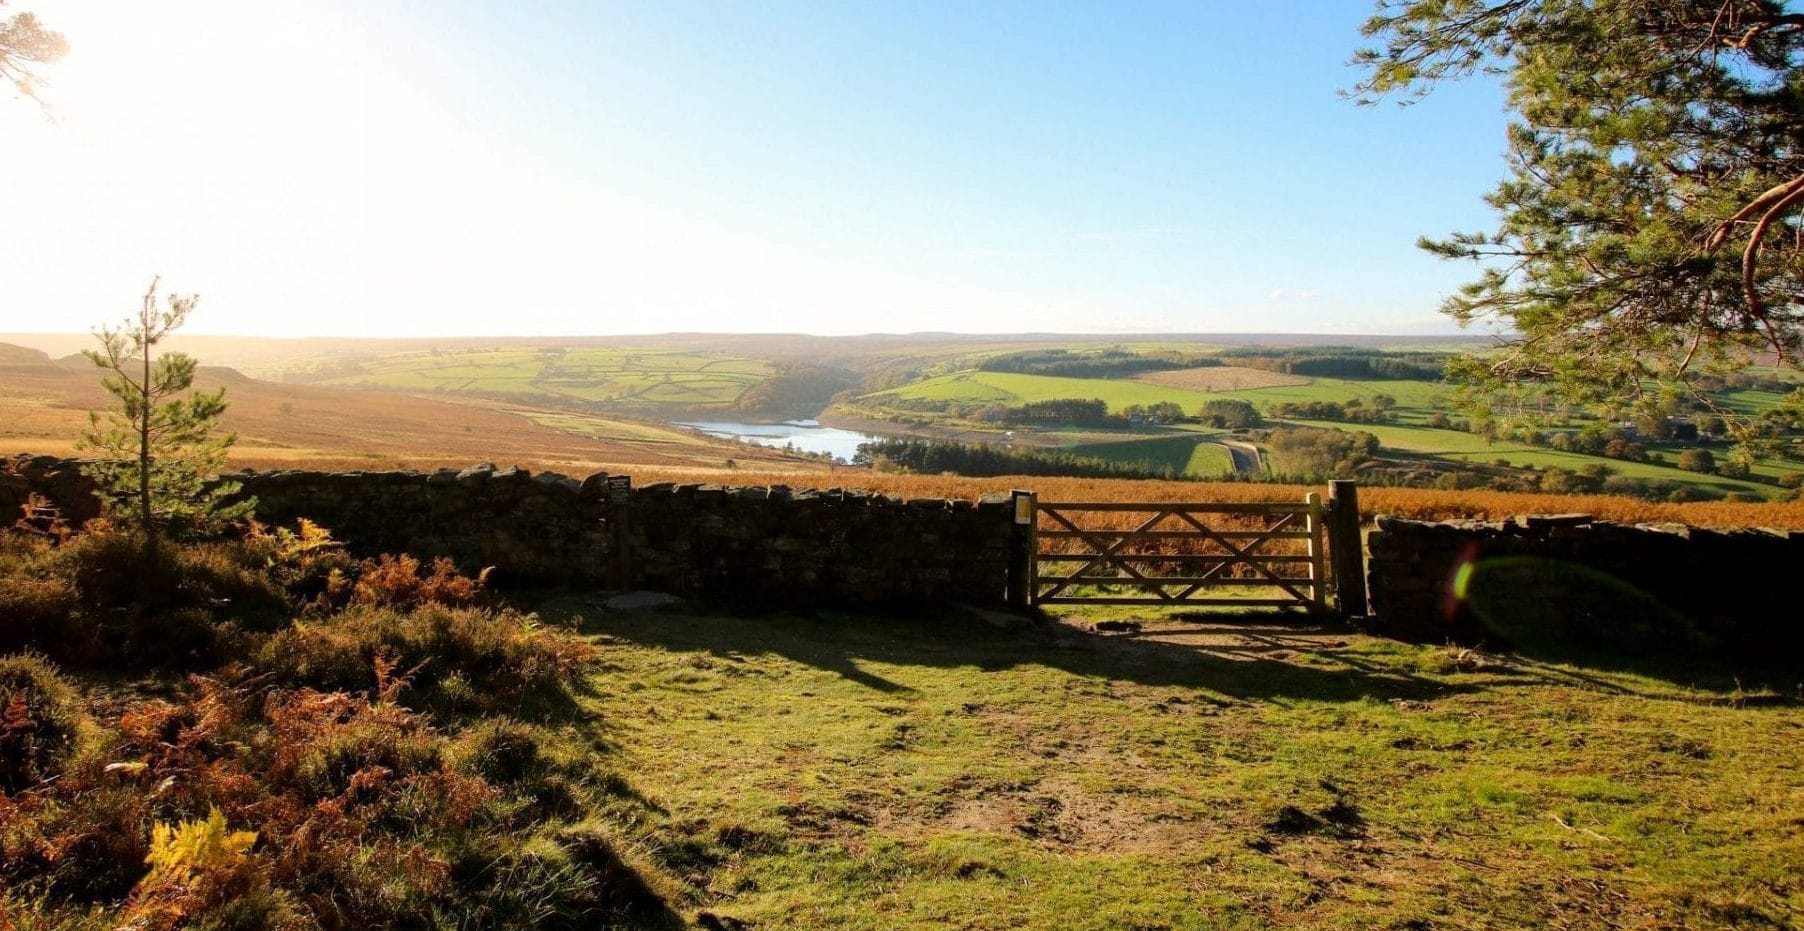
(1650, 216)
(24, 45)
(158, 448)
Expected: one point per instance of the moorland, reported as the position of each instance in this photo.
(1250, 408)
(281, 737)
(262, 732)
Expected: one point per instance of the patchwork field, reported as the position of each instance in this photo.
(1221, 378)
(1407, 433)
(1013, 389)
(623, 378)
(975, 387)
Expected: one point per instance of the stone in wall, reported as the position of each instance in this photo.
(807, 547)
(59, 480)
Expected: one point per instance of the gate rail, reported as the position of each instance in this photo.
(1083, 553)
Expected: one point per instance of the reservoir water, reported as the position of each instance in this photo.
(806, 435)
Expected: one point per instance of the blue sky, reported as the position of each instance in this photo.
(319, 167)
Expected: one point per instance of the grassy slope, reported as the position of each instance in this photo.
(625, 376)
(1456, 444)
(1009, 388)
(1181, 454)
(43, 410)
(1409, 394)
(936, 772)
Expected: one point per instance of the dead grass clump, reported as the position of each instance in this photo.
(42, 614)
(93, 600)
(40, 720)
(480, 656)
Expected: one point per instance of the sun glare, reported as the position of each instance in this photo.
(221, 144)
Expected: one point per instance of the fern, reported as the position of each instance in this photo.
(181, 852)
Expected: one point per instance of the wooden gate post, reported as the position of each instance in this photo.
(1349, 558)
(1021, 570)
(1318, 576)
(620, 511)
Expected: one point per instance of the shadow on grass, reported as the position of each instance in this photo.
(1581, 618)
(1260, 666)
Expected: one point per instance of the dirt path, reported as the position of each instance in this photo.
(1247, 457)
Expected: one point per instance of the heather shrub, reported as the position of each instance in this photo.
(40, 721)
(336, 746)
(87, 848)
(502, 751)
(397, 582)
(309, 789)
(110, 571)
(94, 600)
(43, 614)
(495, 655)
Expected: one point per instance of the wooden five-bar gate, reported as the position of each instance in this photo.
(1244, 554)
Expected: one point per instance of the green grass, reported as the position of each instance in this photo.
(1415, 401)
(973, 387)
(934, 771)
(1461, 445)
(603, 428)
(1409, 394)
(1010, 388)
(1749, 401)
(1183, 455)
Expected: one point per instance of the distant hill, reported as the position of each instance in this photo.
(12, 356)
(44, 407)
(265, 357)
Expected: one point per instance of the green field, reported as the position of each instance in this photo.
(622, 378)
(935, 772)
(1182, 455)
(1415, 400)
(1471, 447)
(602, 428)
(1421, 395)
(1749, 401)
(1012, 389)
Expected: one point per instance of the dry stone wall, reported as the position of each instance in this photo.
(1568, 579)
(57, 480)
(1549, 579)
(760, 547)
(777, 546)
(539, 528)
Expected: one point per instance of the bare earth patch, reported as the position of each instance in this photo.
(1221, 378)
